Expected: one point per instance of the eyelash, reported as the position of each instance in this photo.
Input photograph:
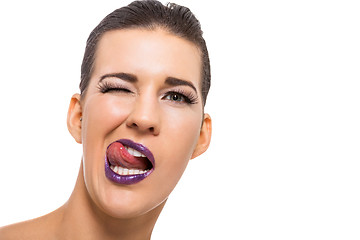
(188, 97)
(105, 87)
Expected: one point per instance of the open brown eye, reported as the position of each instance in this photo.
(180, 97)
(175, 97)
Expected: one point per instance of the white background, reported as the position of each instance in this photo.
(284, 159)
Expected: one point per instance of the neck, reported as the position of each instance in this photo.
(82, 219)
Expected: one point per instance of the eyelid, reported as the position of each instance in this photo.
(182, 89)
(106, 86)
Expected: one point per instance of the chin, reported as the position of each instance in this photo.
(127, 204)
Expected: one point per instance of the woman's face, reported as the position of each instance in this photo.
(145, 87)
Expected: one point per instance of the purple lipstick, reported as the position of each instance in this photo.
(127, 162)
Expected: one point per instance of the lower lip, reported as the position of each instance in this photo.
(125, 179)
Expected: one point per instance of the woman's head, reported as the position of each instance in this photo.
(150, 15)
(143, 89)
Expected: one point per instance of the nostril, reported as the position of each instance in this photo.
(136, 126)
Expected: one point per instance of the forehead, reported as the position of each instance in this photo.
(148, 53)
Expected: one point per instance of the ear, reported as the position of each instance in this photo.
(73, 117)
(204, 138)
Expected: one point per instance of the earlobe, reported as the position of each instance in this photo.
(204, 138)
(74, 118)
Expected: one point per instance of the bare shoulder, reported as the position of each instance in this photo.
(22, 230)
(39, 228)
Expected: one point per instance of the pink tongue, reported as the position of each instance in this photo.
(119, 156)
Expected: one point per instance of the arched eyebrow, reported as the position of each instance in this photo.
(172, 81)
(124, 76)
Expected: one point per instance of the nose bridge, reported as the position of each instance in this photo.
(145, 114)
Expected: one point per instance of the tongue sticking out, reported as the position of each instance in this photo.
(119, 156)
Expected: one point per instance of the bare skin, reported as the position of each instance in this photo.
(67, 222)
(150, 111)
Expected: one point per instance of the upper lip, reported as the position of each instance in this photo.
(138, 147)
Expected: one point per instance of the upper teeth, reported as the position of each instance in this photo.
(134, 152)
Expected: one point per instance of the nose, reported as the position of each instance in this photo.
(145, 117)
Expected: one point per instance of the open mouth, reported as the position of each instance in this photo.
(127, 162)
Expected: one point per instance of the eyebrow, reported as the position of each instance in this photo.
(124, 76)
(179, 82)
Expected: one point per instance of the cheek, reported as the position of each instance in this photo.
(101, 116)
(183, 127)
(182, 132)
(104, 114)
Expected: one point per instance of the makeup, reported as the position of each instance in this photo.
(127, 162)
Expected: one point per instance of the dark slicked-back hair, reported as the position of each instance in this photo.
(149, 14)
